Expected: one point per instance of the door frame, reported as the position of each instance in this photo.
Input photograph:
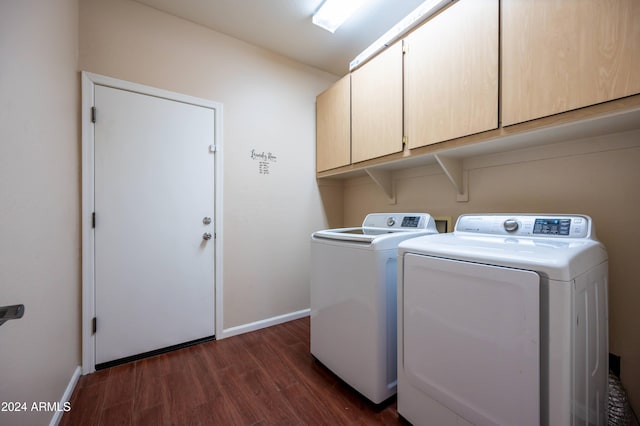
(89, 81)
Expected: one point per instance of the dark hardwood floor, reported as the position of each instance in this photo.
(267, 377)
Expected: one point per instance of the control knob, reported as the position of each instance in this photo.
(510, 225)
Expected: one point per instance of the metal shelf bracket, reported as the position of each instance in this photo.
(457, 175)
(384, 179)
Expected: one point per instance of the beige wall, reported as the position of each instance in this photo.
(269, 105)
(598, 177)
(39, 202)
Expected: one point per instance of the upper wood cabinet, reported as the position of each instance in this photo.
(333, 126)
(376, 106)
(482, 70)
(451, 74)
(559, 55)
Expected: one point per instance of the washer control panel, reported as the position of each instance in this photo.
(401, 221)
(553, 226)
(523, 225)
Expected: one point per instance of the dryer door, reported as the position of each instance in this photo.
(472, 338)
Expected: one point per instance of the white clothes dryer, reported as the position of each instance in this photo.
(504, 322)
(353, 299)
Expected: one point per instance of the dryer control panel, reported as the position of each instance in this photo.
(527, 225)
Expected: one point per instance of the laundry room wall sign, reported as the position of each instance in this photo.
(264, 159)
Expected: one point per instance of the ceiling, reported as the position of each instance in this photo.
(284, 26)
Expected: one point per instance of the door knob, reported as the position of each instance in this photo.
(206, 220)
(206, 236)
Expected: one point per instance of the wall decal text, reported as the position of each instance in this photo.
(264, 159)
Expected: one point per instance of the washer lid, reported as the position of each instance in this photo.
(358, 234)
(547, 251)
(379, 227)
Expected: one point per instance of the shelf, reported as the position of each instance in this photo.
(608, 118)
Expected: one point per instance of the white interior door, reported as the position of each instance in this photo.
(154, 185)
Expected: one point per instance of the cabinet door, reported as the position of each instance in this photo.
(376, 106)
(559, 55)
(333, 126)
(451, 74)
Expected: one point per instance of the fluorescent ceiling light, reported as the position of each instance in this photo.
(419, 14)
(333, 13)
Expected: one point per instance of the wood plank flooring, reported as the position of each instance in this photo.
(267, 377)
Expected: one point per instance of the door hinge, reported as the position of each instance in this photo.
(212, 148)
(93, 219)
(405, 46)
(405, 140)
(93, 114)
(94, 325)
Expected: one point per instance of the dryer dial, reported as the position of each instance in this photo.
(510, 225)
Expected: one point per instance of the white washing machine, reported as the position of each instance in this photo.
(353, 299)
(504, 322)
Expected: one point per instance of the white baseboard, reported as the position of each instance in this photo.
(66, 397)
(246, 328)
